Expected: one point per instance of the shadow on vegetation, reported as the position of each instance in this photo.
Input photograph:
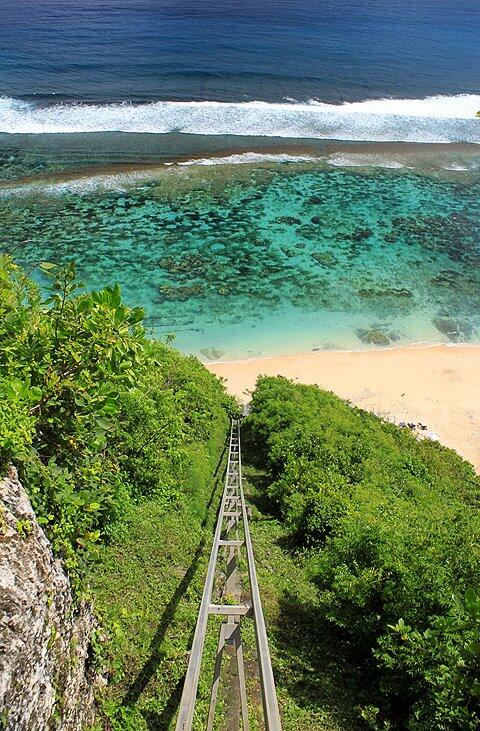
(253, 453)
(160, 721)
(316, 667)
(260, 482)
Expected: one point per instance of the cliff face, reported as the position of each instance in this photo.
(46, 677)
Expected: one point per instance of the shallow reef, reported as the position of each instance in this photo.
(287, 243)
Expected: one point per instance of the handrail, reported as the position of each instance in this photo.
(271, 712)
(232, 509)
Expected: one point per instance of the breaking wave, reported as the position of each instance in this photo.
(437, 119)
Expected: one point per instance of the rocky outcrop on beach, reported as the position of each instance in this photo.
(46, 675)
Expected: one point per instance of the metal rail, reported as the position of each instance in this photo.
(232, 518)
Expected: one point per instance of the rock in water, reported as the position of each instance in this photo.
(289, 220)
(46, 678)
(456, 329)
(325, 258)
(374, 336)
(211, 353)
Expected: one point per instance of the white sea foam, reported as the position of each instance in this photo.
(462, 106)
(123, 180)
(354, 160)
(454, 167)
(244, 158)
(344, 161)
(81, 186)
(434, 119)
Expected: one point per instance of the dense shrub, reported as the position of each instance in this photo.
(397, 523)
(92, 412)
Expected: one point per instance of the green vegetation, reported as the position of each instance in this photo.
(391, 525)
(366, 539)
(147, 587)
(94, 414)
(316, 679)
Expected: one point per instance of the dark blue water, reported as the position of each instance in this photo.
(139, 50)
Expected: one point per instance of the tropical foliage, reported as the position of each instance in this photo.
(392, 523)
(93, 413)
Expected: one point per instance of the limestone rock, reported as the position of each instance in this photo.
(46, 675)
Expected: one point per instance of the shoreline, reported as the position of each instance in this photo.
(340, 351)
(436, 385)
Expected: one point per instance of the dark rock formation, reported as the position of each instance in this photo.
(289, 220)
(211, 353)
(180, 294)
(389, 292)
(447, 278)
(377, 335)
(374, 337)
(359, 234)
(456, 329)
(46, 676)
(325, 258)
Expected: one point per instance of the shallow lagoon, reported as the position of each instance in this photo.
(273, 258)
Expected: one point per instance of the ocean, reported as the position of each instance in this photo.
(262, 177)
(273, 51)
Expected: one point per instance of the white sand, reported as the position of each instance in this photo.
(438, 386)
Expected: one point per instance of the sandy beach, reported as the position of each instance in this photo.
(437, 386)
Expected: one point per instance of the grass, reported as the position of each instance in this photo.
(148, 588)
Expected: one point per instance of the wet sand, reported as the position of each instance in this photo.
(438, 386)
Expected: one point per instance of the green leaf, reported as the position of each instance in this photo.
(92, 507)
(104, 423)
(471, 599)
(136, 315)
(85, 304)
(116, 295)
(34, 393)
(110, 406)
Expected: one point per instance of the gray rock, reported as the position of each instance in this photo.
(374, 336)
(456, 329)
(46, 675)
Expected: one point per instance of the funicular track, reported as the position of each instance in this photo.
(232, 536)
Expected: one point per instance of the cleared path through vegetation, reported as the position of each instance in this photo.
(232, 534)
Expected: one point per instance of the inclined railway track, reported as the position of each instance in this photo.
(232, 537)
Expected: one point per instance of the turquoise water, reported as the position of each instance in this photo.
(257, 258)
(250, 260)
